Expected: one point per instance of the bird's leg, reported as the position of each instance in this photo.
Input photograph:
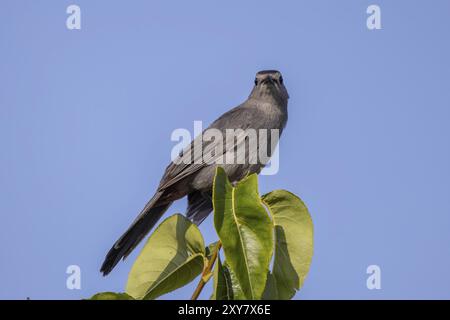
(207, 195)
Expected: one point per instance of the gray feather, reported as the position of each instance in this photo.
(266, 108)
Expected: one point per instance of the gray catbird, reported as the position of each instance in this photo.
(265, 108)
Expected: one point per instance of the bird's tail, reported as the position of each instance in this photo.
(148, 217)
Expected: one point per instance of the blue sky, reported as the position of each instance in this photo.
(86, 117)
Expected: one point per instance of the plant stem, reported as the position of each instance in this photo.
(205, 272)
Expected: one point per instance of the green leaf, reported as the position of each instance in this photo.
(236, 289)
(245, 229)
(293, 241)
(271, 291)
(111, 296)
(226, 285)
(222, 287)
(210, 249)
(172, 257)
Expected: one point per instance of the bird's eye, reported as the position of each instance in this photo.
(281, 80)
(256, 82)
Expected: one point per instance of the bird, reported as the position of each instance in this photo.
(265, 108)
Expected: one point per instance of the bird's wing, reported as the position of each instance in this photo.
(191, 159)
(199, 206)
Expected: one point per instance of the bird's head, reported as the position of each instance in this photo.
(270, 84)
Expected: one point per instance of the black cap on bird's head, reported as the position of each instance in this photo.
(270, 83)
